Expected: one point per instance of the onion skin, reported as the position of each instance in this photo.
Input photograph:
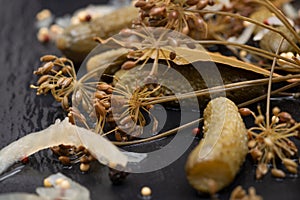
(214, 163)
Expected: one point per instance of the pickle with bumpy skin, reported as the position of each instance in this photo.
(214, 163)
(78, 40)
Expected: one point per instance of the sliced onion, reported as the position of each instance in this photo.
(62, 133)
(74, 192)
(20, 196)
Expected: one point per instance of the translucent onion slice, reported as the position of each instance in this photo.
(62, 133)
(20, 196)
(74, 192)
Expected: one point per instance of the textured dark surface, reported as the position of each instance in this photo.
(22, 112)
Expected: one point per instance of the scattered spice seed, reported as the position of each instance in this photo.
(278, 173)
(289, 162)
(43, 14)
(58, 181)
(25, 160)
(146, 191)
(196, 131)
(245, 112)
(259, 119)
(48, 58)
(128, 65)
(251, 144)
(84, 167)
(47, 183)
(240, 194)
(43, 35)
(64, 160)
(84, 159)
(64, 184)
(275, 111)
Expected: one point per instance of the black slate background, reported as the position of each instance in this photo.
(22, 112)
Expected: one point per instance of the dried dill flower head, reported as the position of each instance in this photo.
(174, 15)
(271, 142)
(57, 76)
(195, 18)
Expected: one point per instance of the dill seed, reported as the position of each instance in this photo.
(84, 159)
(91, 158)
(256, 154)
(284, 117)
(289, 162)
(192, 2)
(245, 111)
(275, 119)
(263, 168)
(270, 156)
(211, 2)
(140, 3)
(268, 142)
(47, 58)
(128, 65)
(238, 193)
(259, 119)
(103, 86)
(202, 4)
(100, 94)
(42, 79)
(173, 15)
(157, 11)
(278, 173)
(292, 169)
(64, 160)
(275, 111)
(251, 144)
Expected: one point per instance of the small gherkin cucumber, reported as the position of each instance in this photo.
(214, 163)
(77, 41)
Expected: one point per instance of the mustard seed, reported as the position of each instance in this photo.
(65, 184)
(146, 191)
(47, 183)
(84, 167)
